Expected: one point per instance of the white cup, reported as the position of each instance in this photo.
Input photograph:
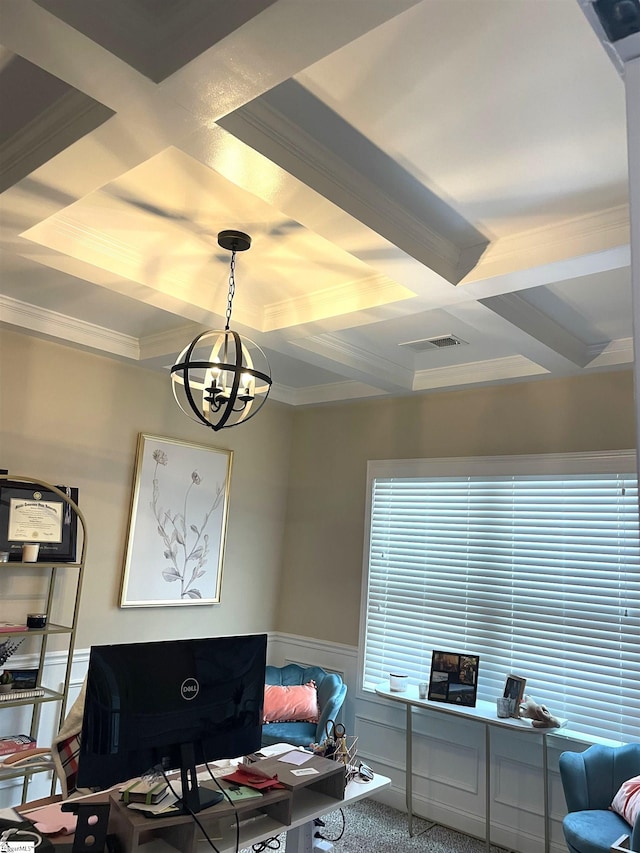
(30, 552)
(503, 706)
(398, 682)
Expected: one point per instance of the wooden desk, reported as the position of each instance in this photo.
(484, 713)
(292, 810)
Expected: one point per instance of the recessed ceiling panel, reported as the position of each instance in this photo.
(157, 225)
(156, 37)
(52, 290)
(509, 110)
(41, 116)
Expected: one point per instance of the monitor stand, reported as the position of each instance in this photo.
(194, 798)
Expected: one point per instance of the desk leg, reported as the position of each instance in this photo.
(487, 784)
(545, 783)
(300, 839)
(409, 769)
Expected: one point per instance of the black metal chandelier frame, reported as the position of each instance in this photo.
(219, 399)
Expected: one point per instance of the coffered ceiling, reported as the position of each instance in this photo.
(436, 190)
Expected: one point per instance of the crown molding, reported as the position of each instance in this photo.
(62, 123)
(74, 232)
(91, 336)
(389, 376)
(617, 352)
(283, 394)
(334, 392)
(491, 370)
(587, 235)
(172, 342)
(68, 329)
(372, 292)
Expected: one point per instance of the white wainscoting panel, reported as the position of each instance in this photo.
(17, 720)
(448, 758)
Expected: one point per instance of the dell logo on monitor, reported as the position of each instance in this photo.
(189, 688)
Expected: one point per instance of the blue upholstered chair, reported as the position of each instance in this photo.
(331, 693)
(590, 780)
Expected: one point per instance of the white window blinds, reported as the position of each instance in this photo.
(537, 573)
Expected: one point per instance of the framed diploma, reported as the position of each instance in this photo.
(30, 513)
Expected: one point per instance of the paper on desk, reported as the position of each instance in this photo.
(10, 814)
(304, 771)
(217, 770)
(296, 757)
(275, 749)
(51, 820)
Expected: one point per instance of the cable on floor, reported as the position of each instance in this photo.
(268, 844)
(344, 826)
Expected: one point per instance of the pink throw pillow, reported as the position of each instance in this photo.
(291, 703)
(627, 801)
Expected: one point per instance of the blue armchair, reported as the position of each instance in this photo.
(590, 780)
(331, 693)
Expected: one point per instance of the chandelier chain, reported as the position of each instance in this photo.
(232, 288)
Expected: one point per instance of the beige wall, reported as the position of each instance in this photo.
(331, 446)
(294, 547)
(73, 417)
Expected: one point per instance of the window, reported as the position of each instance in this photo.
(532, 563)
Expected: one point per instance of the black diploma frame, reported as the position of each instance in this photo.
(31, 513)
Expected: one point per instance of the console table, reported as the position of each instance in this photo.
(485, 714)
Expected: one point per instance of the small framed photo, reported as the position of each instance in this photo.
(24, 679)
(454, 678)
(514, 689)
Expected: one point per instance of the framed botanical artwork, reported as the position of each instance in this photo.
(29, 512)
(177, 525)
(454, 678)
(514, 689)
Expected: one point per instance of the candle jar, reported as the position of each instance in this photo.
(30, 552)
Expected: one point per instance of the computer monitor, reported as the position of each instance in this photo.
(176, 704)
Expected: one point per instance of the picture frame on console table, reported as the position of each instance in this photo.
(177, 524)
(31, 513)
(454, 678)
(514, 689)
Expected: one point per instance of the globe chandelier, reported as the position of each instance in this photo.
(220, 379)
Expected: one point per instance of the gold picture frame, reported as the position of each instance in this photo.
(177, 525)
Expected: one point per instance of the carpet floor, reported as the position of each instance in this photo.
(368, 822)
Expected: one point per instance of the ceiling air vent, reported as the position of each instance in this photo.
(439, 342)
